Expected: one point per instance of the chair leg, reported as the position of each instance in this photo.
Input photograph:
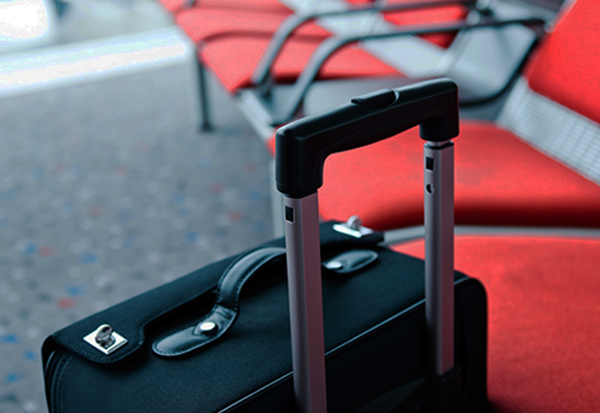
(205, 123)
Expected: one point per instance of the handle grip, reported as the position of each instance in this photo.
(303, 146)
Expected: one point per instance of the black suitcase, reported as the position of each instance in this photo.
(218, 340)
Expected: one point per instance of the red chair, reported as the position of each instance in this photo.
(543, 315)
(232, 42)
(501, 179)
(504, 40)
(236, 40)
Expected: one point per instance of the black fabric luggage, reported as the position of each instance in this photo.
(218, 339)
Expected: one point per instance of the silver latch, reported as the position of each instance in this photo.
(105, 339)
(353, 227)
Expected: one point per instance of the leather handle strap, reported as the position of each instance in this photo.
(239, 272)
(226, 308)
(225, 311)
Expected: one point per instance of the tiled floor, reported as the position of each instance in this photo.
(107, 190)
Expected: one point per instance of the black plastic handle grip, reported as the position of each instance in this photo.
(303, 146)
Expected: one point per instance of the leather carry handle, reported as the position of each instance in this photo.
(225, 311)
(303, 146)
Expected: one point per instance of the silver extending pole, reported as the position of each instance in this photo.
(439, 252)
(306, 303)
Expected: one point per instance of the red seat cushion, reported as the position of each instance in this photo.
(233, 59)
(565, 68)
(500, 180)
(234, 40)
(442, 14)
(543, 319)
(254, 5)
(206, 24)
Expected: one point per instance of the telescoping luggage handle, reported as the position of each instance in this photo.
(301, 150)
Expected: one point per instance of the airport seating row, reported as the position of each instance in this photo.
(270, 57)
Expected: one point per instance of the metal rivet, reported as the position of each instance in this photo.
(209, 327)
(334, 265)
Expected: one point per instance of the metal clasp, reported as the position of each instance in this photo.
(353, 227)
(105, 339)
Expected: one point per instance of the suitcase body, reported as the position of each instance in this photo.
(375, 339)
(218, 340)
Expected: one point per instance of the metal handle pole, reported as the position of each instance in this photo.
(306, 303)
(439, 252)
